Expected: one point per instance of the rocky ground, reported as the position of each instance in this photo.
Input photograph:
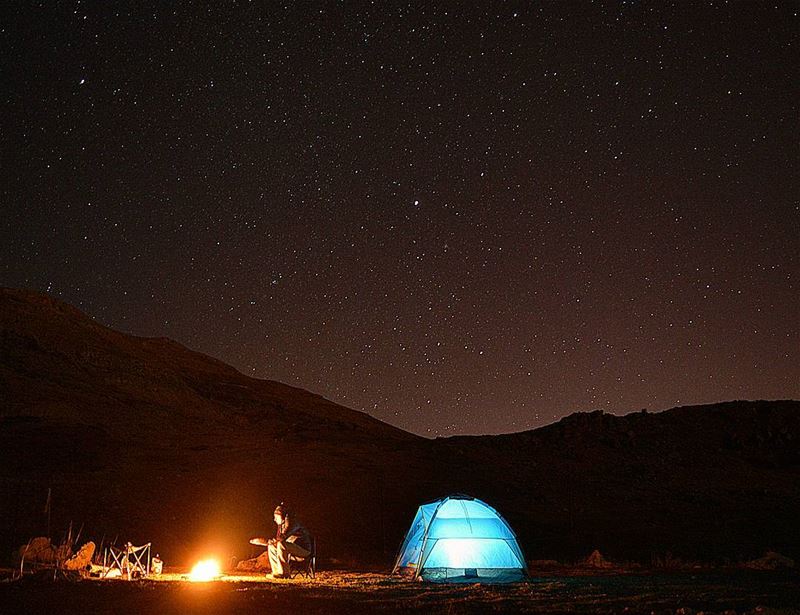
(720, 591)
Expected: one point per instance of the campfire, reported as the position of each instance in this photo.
(205, 570)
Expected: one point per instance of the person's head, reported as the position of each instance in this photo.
(280, 514)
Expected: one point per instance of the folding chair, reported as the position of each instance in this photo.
(306, 566)
(132, 562)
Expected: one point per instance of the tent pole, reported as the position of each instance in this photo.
(418, 572)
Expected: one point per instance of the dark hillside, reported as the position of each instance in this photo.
(143, 439)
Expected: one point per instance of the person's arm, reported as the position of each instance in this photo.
(300, 536)
(292, 533)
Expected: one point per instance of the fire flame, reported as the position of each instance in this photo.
(205, 570)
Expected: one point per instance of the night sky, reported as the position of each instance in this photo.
(460, 220)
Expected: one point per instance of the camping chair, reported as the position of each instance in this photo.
(132, 562)
(307, 565)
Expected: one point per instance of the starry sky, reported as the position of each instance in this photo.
(476, 218)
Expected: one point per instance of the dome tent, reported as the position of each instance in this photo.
(459, 539)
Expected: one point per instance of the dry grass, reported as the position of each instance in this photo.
(353, 593)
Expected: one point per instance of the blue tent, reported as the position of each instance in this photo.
(459, 539)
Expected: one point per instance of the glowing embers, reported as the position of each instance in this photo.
(205, 570)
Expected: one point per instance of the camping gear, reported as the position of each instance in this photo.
(131, 561)
(460, 539)
(157, 565)
(304, 566)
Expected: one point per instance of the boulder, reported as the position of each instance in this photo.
(257, 564)
(82, 559)
(39, 550)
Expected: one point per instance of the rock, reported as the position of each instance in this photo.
(82, 559)
(257, 564)
(770, 561)
(39, 549)
(596, 560)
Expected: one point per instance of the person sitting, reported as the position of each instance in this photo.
(291, 538)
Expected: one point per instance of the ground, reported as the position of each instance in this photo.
(340, 592)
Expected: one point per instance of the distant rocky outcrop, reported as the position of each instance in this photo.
(770, 561)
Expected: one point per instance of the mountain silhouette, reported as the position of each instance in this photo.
(142, 439)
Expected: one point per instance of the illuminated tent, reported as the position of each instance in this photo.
(459, 539)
